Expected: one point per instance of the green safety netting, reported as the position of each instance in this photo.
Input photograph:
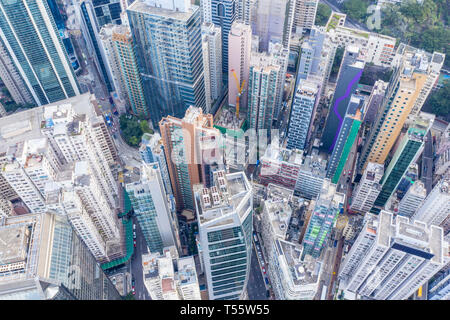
(128, 227)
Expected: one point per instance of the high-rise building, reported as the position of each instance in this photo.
(263, 86)
(375, 101)
(124, 48)
(91, 29)
(412, 199)
(59, 157)
(304, 15)
(224, 214)
(410, 147)
(408, 84)
(311, 176)
(280, 166)
(239, 42)
(12, 79)
(329, 205)
(348, 134)
(368, 188)
(156, 217)
(222, 13)
(108, 11)
(374, 48)
(212, 58)
(391, 259)
(168, 277)
(113, 65)
(439, 288)
(349, 74)
(44, 259)
(36, 52)
(436, 207)
(442, 162)
(152, 150)
(303, 109)
(274, 19)
(170, 60)
(191, 147)
(316, 57)
(291, 278)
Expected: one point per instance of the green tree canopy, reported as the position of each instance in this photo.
(322, 14)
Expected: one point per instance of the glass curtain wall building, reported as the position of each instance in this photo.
(169, 55)
(44, 259)
(30, 36)
(224, 214)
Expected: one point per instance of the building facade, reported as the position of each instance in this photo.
(170, 61)
(32, 42)
(224, 215)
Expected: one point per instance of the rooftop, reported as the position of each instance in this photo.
(300, 272)
(223, 197)
(148, 7)
(279, 212)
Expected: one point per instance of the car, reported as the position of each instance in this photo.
(134, 226)
(268, 293)
(134, 243)
(133, 282)
(133, 290)
(134, 234)
(258, 247)
(255, 237)
(263, 270)
(266, 280)
(262, 263)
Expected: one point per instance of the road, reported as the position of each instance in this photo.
(256, 287)
(136, 265)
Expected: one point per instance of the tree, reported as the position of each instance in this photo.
(131, 130)
(439, 101)
(356, 9)
(323, 14)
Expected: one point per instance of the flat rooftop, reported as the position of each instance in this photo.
(13, 245)
(223, 197)
(300, 272)
(145, 8)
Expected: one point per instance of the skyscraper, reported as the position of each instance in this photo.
(158, 221)
(303, 108)
(188, 152)
(262, 90)
(391, 259)
(240, 44)
(410, 147)
(436, 207)
(412, 199)
(12, 79)
(346, 138)
(368, 188)
(407, 85)
(222, 13)
(349, 74)
(91, 29)
(329, 205)
(304, 15)
(273, 22)
(170, 60)
(212, 54)
(44, 259)
(29, 35)
(125, 55)
(58, 157)
(224, 214)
